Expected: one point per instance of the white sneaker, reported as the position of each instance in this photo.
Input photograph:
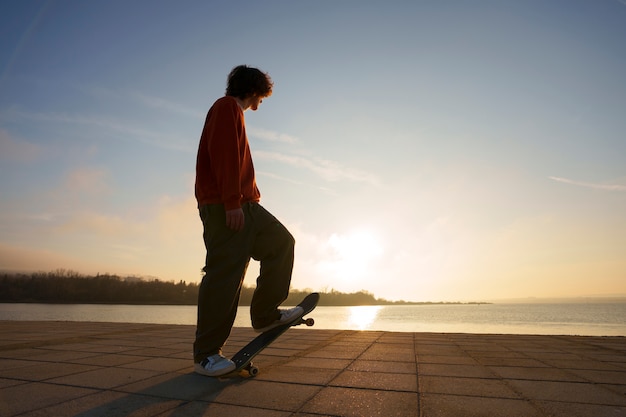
(214, 365)
(286, 317)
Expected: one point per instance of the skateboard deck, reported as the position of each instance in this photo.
(243, 358)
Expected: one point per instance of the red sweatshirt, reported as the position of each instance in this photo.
(224, 169)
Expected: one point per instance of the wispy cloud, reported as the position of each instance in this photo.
(147, 100)
(158, 139)
(328, 170)
(271, 136)
(164, 104)
(292, 181)
(606, 187)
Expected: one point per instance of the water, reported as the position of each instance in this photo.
(589, 319)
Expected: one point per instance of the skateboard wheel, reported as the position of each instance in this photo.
(309, 322)
(253, 370)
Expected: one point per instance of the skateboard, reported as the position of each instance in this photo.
(243, 358)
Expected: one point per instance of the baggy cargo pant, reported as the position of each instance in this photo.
(264, 239)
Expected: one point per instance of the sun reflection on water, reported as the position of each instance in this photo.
(362, 317)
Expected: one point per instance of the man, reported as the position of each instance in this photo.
(236, 227)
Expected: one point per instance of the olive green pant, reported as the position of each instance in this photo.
(264, 239)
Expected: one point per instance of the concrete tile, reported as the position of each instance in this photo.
(91, 348)
(437, 405)
(537, 374)
(131, 341)
(320, 363)
(182, 346)
(511, 361)
(265, 394)
(560, 409)
(358, 336)
(309, 415)
(161, 365)
(619, 389)
(188, 387)
(475, 387)
(25, 353)
(382, 353)
(279, 351)
(337, 352)
(8, 364)
(547, 356)
(20, 399)
(466, 371)
(296, 375)
(152, 352)
(442, 350)
(584, 364)
(483, 349)
(344, 343)
(47, 355)
(614, 358)
(105, 378)
(391, 337)
(9, 383)
(504, 355)
(449, 359)
(108, 359)
(567, 392)
(383, 366)
(601, 377)
(351, 402)
(208, 409)
(376, 380)
(109, 404)
(433, 337)
(45, 370)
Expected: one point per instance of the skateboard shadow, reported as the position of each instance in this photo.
(178, 396)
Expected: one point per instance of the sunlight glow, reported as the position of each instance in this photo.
(362, 317)
(351, 254)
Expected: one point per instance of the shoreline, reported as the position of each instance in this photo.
(514, 319)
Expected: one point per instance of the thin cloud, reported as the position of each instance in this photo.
(292, 181)
(271, 136)
(280, 178)
(163, 104)
(153, 102)
(328, 170)
(605, 187)
(142, 135)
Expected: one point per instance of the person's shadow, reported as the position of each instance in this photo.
(171, 397)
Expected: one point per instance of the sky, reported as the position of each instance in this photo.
(418, 150)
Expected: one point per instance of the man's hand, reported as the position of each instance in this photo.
(235, 219)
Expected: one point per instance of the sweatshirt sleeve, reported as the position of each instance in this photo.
(225, 152)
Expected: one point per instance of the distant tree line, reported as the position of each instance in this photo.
(69, 287)
(63, 286)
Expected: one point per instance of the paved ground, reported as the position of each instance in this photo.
(110, 369)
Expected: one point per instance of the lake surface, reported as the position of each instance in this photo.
(589, 319)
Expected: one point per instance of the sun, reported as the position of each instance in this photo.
(355, 245)
(350, 255)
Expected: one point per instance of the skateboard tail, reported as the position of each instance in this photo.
(243, 358)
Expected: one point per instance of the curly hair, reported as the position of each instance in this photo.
(245, 81)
